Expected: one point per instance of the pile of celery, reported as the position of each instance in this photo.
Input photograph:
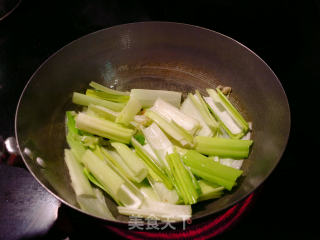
(152, 155)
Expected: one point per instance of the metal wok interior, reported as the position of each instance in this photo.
(154, 55)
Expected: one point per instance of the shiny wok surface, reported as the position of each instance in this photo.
(155, 55)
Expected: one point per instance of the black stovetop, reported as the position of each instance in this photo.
(286, 34)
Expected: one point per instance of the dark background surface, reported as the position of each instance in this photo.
(286, 34)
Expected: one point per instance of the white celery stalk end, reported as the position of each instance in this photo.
(147, 97)
(132, 160)
(117, 186)
(231, 120)
(173, 114)
(171, 129)
(79, 182)
(95, 205)
(191, 110)
(129, 111)
(158, 142)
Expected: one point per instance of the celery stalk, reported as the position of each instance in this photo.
(191, 110)
(147, 97)
(100, 87)
(118, 187)
(84, 100)
(103, 128)
(204, 111)
(185, 184)
(210, 170)
(222, 147)
(79, 182)
(95, 205)
(164, 194)
(171, 129)
(173, 114)
(231, 120)
(129, 111)
(107, 96)
(135, 164)
(209, 190)
(103, 112)
(151, 163)
(159, 143)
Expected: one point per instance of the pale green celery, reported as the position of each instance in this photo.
(222, 147)
(103, 112)
(209, 190)
(151, 163)
(173, 114)
(183, 178)
(84, 100)
(107, 96)
(158, 210)
(194, 181)
(191, 110)
(180, 150)
(117, 186)
(210, 170)
(117, 160)
(129, 111)
(147, 97)
(100, 87)
(132, 160)
(171, 129)
(79, 182)
(103, 128)
(226, 113)
(147, 147)
(204, 111)
(147, 191)
(234, 163)
(159, 142)
(164, 194)
(95, 205)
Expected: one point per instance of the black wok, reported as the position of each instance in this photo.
(155, 55)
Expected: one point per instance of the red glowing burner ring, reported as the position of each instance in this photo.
(203, 230)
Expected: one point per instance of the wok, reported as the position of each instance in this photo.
(155, 55)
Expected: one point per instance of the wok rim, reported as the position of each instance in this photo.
(205, 215)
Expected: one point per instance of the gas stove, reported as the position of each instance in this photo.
(284, 34)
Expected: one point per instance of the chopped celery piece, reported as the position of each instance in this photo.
(173, 114)
(129, 111)
(234, 163)
(165, 194)
(117, 160)
(142, 120)
(132, 160)
(107, 96)
(171, 129)
(191, 110)
(147, 191)
(79, 182)
(103, 112)
(103, 128)
(209, 190)
(147, 97)
(210, 170)
(71, 124)
(204, 111)
(95, 205)
(225, 112)
(159, 143)
(84, 100)
(151, 163)
(118, 187)
(183, 179)
(222, 147)
(140, 138)
(100, 87)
